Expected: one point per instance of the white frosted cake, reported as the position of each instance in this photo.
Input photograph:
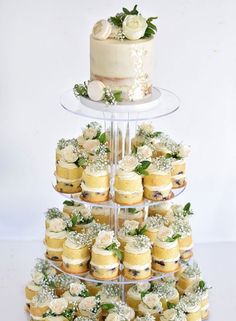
(121, 58)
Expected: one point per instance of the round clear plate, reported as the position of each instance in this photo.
(160, 103)
(111, 204)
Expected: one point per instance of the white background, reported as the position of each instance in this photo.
(44, 50)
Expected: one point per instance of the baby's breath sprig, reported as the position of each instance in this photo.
(53, 212)
(112, 97)
(81, 89)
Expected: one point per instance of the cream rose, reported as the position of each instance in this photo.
(170, 314)
(90, 133)
(113, 317)
(131, 225)
(184, 151)
(38, 278)
(144, 153)
(76, 288)
(104, 239)
(96, 90)
(134, 27)
(164, 232)
(91, 145)
(85, 212)
(87, 304)
(58, 306)
(81, 140)
(128, 163)
(146, 128)
(114, 32)
(69, 154)
(56, 225)
(102, 29)
(151, 300)
(143, 287)
(154, 142)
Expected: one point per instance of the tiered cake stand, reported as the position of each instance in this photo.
(121, 122)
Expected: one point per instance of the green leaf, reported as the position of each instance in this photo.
(81, 162)
(69, 203)
(172, 155)
(201, 284)
(145, 164)
(81, 90)
(187, 207)
(107, 306)
(156, 134)
(84, 293)
(102, 138)
(173, 238)
(141, 168)
(126, 11)
(132, 210)
(117, 252)
(117, 95)
(74, 220)
(171, 305)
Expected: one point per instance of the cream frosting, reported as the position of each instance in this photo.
(166, 245)
(94, 189)
(34, 287)
(159, 188)
(91, 172)
(64, 164)
(167, 260)
(133, 250)
(137, 267)
(128, 192)
(73, 245)
(100, 251)
(56, 235)
(107, 266)
(57, 249)
(67, 181)
(129, 176)
(74, 261)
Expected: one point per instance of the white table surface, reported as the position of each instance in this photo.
(217, 261)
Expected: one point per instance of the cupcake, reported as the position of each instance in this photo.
(69, 206)
(151, 305)
(40, 304)
(145, 135)
(169, 279)
(105, 256)
(129, 229)
(173, 315)
(152, 225)
(134, 294)
(167, 294)
(137, 258)
(191, 306)
(183, 228)
(55, 233)
(121, 311)
(109, 295)
(58, 310)
(190, 275)
(179, 212)
(76, 254)
(157, 184)
(69, 168)
(42, 275)
(132, 214)
(96, 180)
(162, 208)
(200, 288)
(128, 182)
(103, 215)
(62, 283)
(82, 219)
(165, 252)
(90, 307)
(76, 292)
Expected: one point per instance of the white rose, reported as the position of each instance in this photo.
(131, 225)
(81, 140)
(96, 90)
(85, 212)
(151, 300)
(134, 27)
(90, 133)
(102, 29)
(154, 142)
(38, 278)
(128, 312)
(69, 154)
(56, 225)
(76, 288)
(144, 153)
(170, 314)
(104, 239)
(87, 304)
(112, 317)
(128, 163)
(58, 306)
(184, 151)
(164, 232)
(146, 128)
(143, 287)
(91, 145)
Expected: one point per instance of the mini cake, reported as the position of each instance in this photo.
(96, 181)
(132, 214)
(69, 169)
(165, 252)
(128, 183)
(169, 279)
(137, 258)
(42, 275)
(61, 145)
(62, 283)
(123, 66)
(93, 287)
(91, 132)
(122, 311)
(90, 307)
(190, 275)
(145, 136)
(162, 208)
(173, 315)
(76, 254)
(167, 294)
(82, 219)
(102, 215)
(199, 288)
(110, 295)
(105, 256)
(94, 228)
(134, 294)
(150, 304)
(69, 206)
(190, 305)
(57, 310)
(152, 225)
(157, 184)
(55, 233)
(183, 228)
(76, 292)
(179, 212)
(129, 229)
(40, 304)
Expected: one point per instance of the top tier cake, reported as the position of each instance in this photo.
(121, 58)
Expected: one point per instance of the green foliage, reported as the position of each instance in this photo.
(81, 90)
(173, 238)
(138, 231)
(132, 210)
(102, 138)
(173, 155)
(81, 162)
(69, 203)
(141, 168)
(171, 305)
(107, 306)
(117, 252)
(187, 209)
(151, 28)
